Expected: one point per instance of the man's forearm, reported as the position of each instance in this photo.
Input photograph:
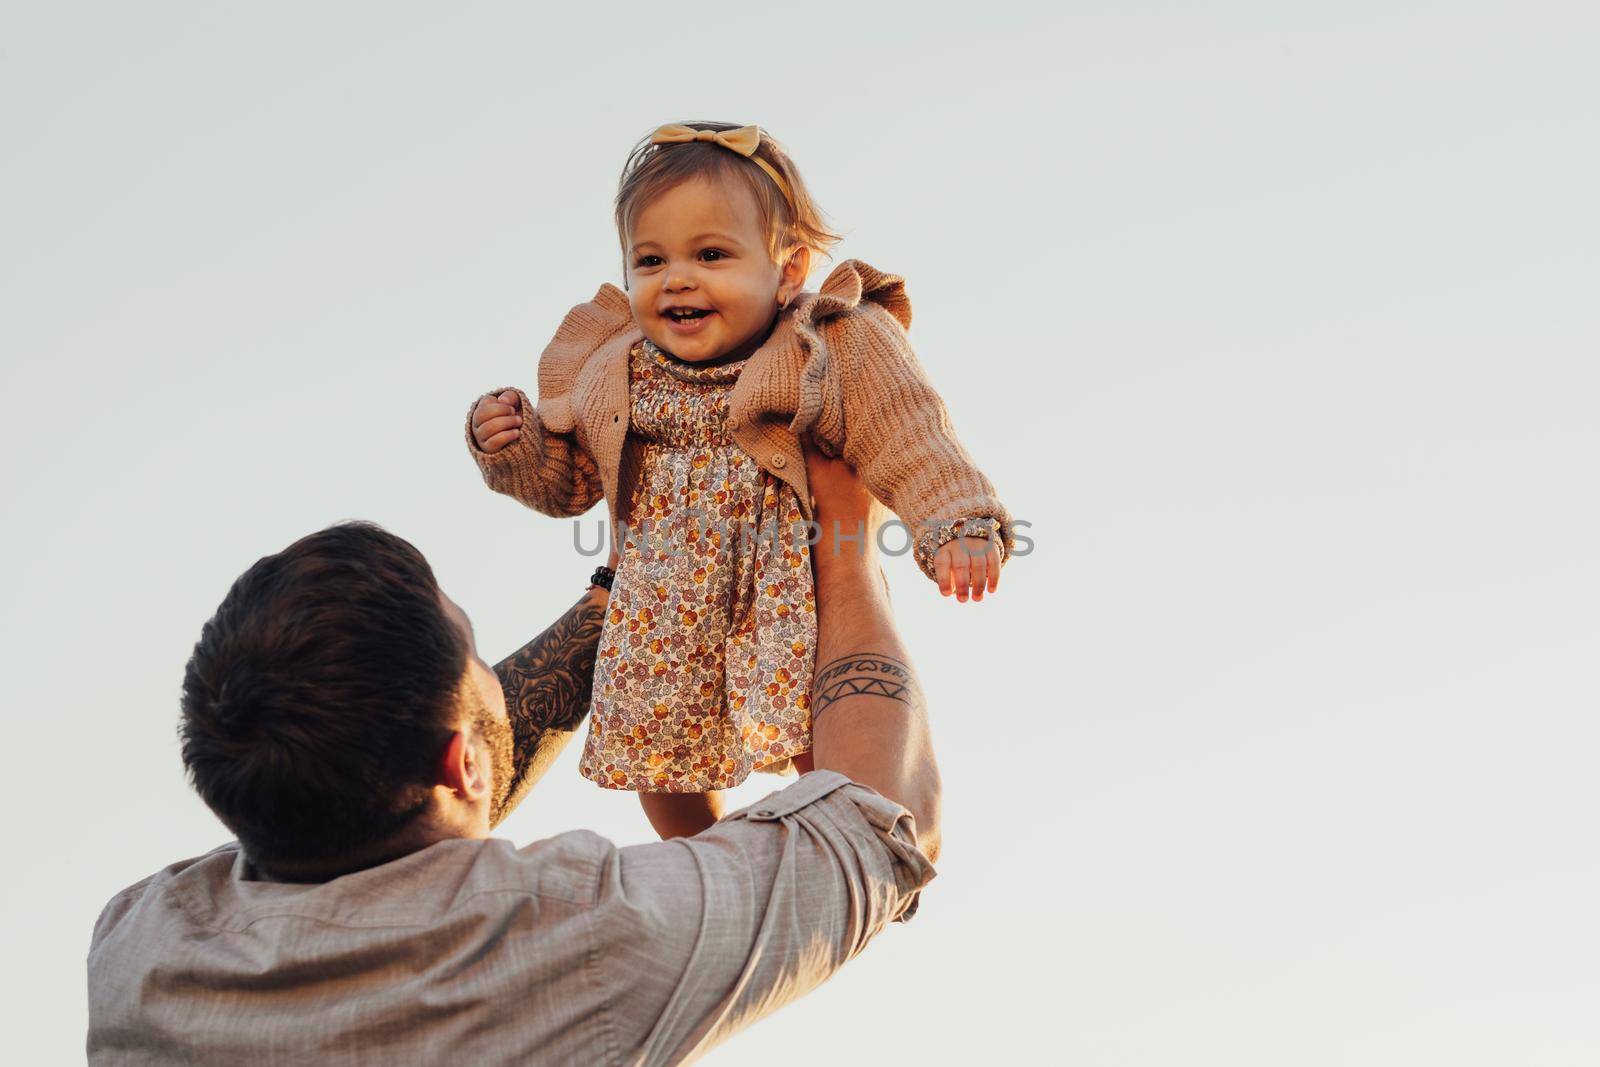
(869, 720)
(548, 683)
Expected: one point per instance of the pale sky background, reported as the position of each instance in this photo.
(1278, 323)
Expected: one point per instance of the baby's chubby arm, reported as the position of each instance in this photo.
(519, 457)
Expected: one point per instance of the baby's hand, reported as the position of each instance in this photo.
(967, 564)
(497, 420)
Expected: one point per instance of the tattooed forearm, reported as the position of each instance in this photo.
(867, 674)
(548, 683)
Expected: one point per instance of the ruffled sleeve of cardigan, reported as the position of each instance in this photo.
(547, 468)
(864, 395)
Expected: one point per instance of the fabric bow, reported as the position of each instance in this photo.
(744, 140)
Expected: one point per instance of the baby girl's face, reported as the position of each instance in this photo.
(701, 246)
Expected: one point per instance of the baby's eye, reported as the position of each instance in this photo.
(714, 252)
(643, 261)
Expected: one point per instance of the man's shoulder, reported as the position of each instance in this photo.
(128, 901)
(207, 939)
(566, 866)
(207, 890)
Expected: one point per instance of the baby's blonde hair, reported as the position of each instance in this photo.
(654, 169)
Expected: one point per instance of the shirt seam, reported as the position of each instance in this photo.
(597, 977)
(813, 787)
(183, 903)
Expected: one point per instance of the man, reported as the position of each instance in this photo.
(338, 720)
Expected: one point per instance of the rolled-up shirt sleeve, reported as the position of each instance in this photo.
(703, 936)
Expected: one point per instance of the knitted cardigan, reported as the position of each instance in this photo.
(838, 365)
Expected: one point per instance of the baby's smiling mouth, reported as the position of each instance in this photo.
(687, 314)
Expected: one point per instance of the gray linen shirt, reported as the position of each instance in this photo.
(569, 950)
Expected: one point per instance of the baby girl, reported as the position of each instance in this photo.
(682, 401)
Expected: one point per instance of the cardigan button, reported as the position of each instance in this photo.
(778, 460)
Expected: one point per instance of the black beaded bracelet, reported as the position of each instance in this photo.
(603, 577)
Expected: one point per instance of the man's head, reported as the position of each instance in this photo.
(336, 713)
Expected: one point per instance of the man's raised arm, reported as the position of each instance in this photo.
(707, 934)
(548, 683)
(869, 721)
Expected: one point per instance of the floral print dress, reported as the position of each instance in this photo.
(705, 662)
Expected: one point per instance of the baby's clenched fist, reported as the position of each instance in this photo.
(497, 420)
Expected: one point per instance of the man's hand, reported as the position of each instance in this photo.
(843, 508)
(497, 420)
(611, 561)
(837, 489)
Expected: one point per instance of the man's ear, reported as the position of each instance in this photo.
(460, 769)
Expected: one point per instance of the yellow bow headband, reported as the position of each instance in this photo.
(745, 140)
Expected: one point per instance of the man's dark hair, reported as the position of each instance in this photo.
(319, 696)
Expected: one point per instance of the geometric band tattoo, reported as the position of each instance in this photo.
(869, 675)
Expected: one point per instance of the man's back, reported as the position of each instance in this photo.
(567, 950)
